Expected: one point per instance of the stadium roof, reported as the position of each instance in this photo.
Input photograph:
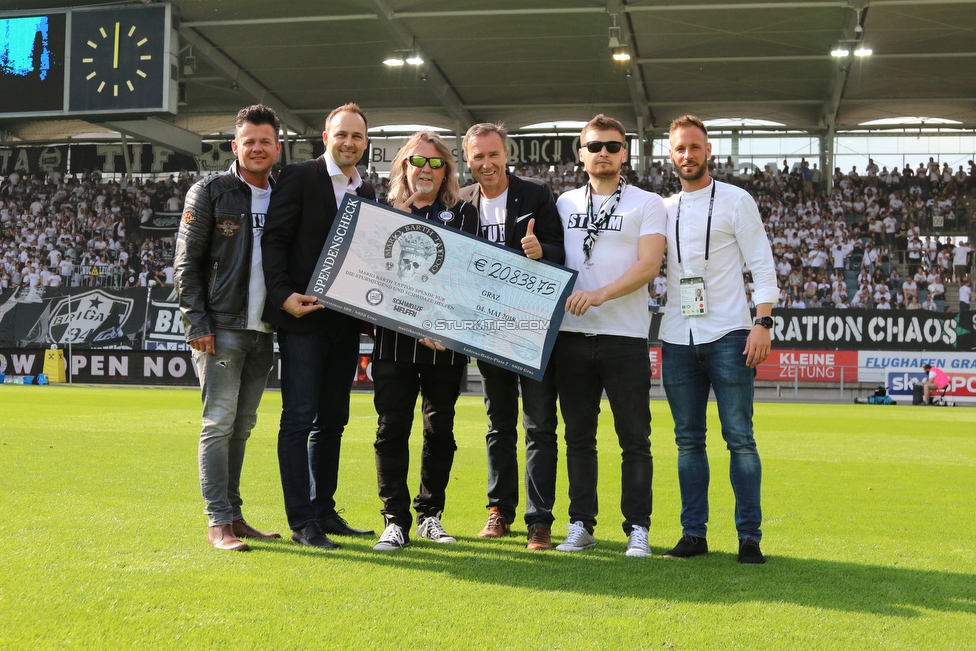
(538, 61)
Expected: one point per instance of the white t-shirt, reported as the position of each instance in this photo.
(638, 213)
(959, 255)
(964, 293)
(492, 217)
(256, 291)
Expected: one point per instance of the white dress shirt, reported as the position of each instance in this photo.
(737, 238)
(341, 184)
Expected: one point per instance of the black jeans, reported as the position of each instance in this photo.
(501, 391)
(317, 370)
(588, 365)
(396, 387)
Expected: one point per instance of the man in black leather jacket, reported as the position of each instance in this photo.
(220, 281)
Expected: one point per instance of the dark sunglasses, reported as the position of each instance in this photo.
(419, 161)
(594, 147)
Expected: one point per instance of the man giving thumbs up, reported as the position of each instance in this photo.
(519, 213)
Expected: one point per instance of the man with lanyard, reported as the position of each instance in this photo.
(710, 340)
(614, 237)
(220, 283)
(319, 347)
(519, 213)
(423, 181)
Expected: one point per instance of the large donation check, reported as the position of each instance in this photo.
(427, 280)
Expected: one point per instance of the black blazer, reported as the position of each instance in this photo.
(527, 199)
(301, 212)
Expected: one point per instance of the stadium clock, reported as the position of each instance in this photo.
(117, 59)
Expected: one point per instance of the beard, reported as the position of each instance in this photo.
(691, 176)
(425, 186)
(605, 171)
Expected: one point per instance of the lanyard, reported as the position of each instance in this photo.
(708, 228)
(606, 209)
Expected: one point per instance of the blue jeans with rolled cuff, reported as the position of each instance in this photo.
(688, 373)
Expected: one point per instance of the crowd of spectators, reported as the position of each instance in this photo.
(82, 230)
(844, 248)
(860, 245)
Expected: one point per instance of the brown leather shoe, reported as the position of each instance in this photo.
(539, 539)
(243, 530)
(222, 537)
(496, 527)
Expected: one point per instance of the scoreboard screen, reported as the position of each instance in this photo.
(101, 61)
(32, 63)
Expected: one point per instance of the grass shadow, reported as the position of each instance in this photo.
(713, 579)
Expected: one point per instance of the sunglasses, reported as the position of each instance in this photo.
(419, 161)
(594, 147)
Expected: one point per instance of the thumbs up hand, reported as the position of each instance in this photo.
(530, 243)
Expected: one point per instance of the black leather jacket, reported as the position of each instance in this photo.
(213, 255)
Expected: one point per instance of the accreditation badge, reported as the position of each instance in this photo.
(693, 302)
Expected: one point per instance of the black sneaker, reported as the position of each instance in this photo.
(687, 547)
(749, 553)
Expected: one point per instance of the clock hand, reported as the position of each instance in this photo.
(116, 64)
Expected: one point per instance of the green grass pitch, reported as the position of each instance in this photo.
(870, 531)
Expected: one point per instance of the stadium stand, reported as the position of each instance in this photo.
(860, 246)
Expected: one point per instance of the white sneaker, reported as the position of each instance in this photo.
(393, 538)
(637, 546)
(578, 538)
(431, 528)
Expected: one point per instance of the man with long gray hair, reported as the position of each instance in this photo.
(423, 181)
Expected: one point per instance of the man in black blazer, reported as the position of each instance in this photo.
(319, 347)
(520, 214)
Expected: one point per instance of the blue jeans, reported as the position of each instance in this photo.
(317, 370)
(501, 391)
(588, 365)
(232, 382)
(396, 387)
(688, 373)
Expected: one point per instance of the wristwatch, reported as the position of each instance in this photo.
(765, 321)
